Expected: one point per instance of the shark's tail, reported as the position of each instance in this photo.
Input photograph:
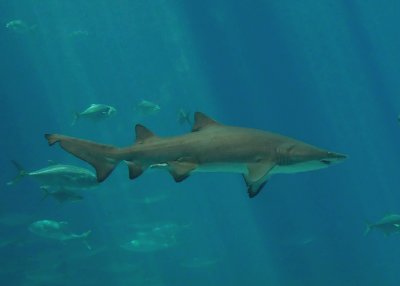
(21, 173)
(102, 157)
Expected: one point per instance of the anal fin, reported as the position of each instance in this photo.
(135, 170)
(180, 170)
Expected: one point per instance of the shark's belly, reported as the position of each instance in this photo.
(223, 168)
(296, 168)
(242, 168)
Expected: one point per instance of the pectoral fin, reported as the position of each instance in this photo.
(257, 177)
(254, 189)
(180, 170)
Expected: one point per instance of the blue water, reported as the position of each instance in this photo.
(325, 72)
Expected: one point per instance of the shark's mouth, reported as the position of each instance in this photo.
(333, 158)
(326, 162)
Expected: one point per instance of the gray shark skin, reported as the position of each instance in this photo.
(210, 147)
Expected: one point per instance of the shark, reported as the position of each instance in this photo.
(210, 147)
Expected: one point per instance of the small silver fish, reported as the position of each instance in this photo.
(147, 245)
(59, 175)
(62, 195)
(388, 224)
(156, 237)
(95, 112)
(56, 230)
(145, 107)
(19, 26)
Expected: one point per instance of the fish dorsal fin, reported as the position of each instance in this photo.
(201, 121)
(143, 134)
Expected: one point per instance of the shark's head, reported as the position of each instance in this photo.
(300, 157)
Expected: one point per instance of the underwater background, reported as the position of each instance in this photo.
(324, 72)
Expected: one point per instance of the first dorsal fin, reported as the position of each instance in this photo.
(143, 133)
(201, 121)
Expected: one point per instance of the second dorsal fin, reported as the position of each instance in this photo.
(201, 121)
(143, 133)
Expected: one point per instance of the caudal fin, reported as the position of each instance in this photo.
(20, 175)
(46, 192)
(100, 156)
(367, 228)
(84, 237)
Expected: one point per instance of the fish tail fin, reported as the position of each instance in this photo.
(102, 157)
(86, 234)
(21, 173)
(184, 117)
(84, 237)
(75, 119)
(367, 228)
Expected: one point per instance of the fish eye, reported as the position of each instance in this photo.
(326, 162)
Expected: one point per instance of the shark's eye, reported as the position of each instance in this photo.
(327, 162)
